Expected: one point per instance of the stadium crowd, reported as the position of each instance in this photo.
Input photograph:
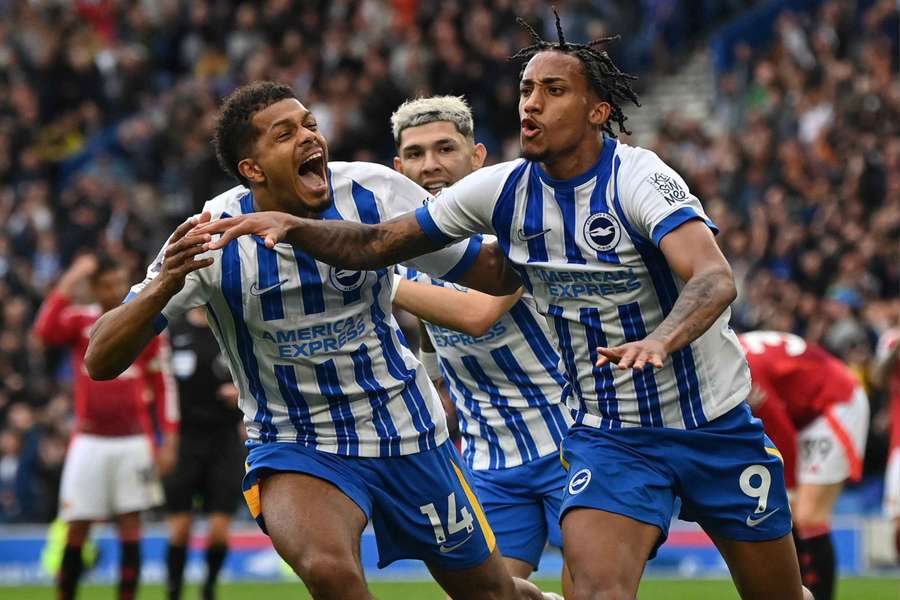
(106, 115)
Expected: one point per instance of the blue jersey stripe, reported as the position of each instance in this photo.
(430, 228)
(553, 418)
(598, 196)
(540, 345)
(389, 441)
(412, 395)
(367, 208)
(310, 283)
(339, 407)
(561, 325)
(533, 225)
(565, 198)
(645, 379)
(247, 203)
(298, 409)
(501, 219)
(604, 380)
(496, 458)
(267, 265)
(689, 397)
(674, 220)
(231, 290)
(473, 249)
(513, 418)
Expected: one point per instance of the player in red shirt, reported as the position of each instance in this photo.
(815, 410)
(109, 471)
(886, 374)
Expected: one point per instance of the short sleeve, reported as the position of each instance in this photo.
(449, 263)
(655, 198)
(193, 294)
(467, 207)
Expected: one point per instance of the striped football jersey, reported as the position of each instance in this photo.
(507, 385)
(314, 350)
(588, 250)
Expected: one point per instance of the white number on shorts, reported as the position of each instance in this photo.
(453, 525)
(761, 491)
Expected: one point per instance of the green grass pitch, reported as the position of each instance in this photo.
(653, 589)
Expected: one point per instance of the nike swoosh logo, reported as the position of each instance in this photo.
(255, 291)
(446, 549)
(525, 238)
(751, 522)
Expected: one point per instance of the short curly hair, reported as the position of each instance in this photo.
(235, 134)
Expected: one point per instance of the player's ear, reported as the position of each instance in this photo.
(398, 164)
(600, 112)
(478, 156)
(251, 171)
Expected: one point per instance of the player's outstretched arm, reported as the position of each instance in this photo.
(361, 247)
(472, 313)
(694, 257)
(120, 335)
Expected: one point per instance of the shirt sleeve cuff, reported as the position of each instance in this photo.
(426, 222)
(160, 322)
(676, 219)
(471, 253)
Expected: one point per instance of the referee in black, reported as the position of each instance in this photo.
(211, 454)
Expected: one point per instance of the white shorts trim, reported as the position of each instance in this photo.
(108, 476)
(822, 445)
(892, 485)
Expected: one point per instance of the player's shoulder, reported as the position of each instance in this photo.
(636, 159)
(228, 202)
(372, 176)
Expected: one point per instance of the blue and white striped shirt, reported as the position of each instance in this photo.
(588, 250)
(314, 350)
(507, 385)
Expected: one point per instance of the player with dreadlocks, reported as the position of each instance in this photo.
(621, 260)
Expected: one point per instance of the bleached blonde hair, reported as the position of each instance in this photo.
(422, 111)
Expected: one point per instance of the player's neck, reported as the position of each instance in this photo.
(264, 200)
(574, 163)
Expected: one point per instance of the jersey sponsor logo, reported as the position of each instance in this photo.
(445, 549)
(309, 341)
(523, 237)
(447, 337)
(255, 290)
(346, 280)
(574, 284)
(751, 522)
(668, 188)
(602, 231)
(579, 481)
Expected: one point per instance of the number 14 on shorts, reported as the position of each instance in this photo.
(454, 524)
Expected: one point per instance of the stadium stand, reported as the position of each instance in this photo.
(105, 121)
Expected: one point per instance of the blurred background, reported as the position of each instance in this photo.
(782, 115)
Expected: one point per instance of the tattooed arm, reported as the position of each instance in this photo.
(356, 246)
(694, 257)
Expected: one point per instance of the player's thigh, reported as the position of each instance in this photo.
(136, 486)
(765, 570)
(606, 552)
(489, 580)
(84, 491)
(812, 504)
(892, 484)
(311, 522)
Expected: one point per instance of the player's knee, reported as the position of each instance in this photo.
(595, 588)
(324, 573)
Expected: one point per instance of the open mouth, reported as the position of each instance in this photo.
(529, 128)
(434, 187)
(312, 170)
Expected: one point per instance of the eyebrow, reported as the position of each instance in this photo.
(550, 79)
(434, 143)
(287, 121)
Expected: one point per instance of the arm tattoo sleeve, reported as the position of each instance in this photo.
(357, 246)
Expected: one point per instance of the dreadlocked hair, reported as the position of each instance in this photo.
(608, 82)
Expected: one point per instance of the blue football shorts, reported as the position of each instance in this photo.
(522, 505)
(728, 475)
(421, 505)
